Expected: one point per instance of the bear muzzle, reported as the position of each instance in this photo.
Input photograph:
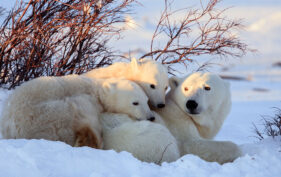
(192, 106)
(161, 105)
(151, 119)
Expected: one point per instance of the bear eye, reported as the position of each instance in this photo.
(152, 86)
(207, 88)
(185, 88)
(135, 103)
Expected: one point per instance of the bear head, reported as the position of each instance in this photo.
(153, 78)
(204, 97)
(124, 96)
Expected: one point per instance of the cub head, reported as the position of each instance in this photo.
(201, 94)
(126, 97)
(153, 78)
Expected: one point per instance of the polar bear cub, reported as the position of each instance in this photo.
(148, 141)
(67, 108)
(196, 107)
(149, 74)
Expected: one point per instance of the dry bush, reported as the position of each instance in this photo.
(60, 37)
(192, 32)
(57, 37)
(271, 124)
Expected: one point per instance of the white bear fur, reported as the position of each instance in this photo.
(195, 131)
(144, 72)
(147, 141)
(67, 108)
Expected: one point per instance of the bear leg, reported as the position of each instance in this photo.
(86, 137)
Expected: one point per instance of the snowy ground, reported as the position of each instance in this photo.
(252, 98)
(40, 158)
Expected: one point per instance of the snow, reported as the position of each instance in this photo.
(252, 98)
(40, 158)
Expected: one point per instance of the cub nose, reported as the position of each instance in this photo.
(151, 119)
(161, 105)
(191, 105)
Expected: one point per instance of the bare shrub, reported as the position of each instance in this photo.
(60, 37)
(57, 37)
(198, 32)
(271, 124)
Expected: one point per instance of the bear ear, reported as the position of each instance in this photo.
(143, 59)
(174, 82)
(108, 87)
(134, 64)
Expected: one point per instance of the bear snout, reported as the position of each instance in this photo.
(191, 105)
(151, 119)
(161, 105)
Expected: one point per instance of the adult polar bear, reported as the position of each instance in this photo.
(67, 108)
(196, 107)
(149, 74)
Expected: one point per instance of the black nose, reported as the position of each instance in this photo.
(161, 105)
(151, 119)
(191, 105)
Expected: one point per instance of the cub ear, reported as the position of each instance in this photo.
(174, 82)
(134, 64)
(109, 86)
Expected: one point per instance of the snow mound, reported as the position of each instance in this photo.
(40, 158)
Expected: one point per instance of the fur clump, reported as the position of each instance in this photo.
(67, 108)
(149, 74)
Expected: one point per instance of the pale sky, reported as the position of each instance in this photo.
(262, 20)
